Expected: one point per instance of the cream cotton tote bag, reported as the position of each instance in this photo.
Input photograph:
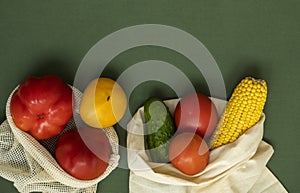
(237, 167)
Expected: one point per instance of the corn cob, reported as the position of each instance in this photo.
(242, 111)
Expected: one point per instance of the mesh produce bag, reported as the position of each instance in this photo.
(30, 164)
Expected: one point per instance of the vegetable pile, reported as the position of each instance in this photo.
(198, 129)
(43, 107)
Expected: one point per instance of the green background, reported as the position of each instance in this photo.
(258, 38)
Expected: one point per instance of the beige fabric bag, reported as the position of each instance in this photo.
(32, 167)
(236, 167)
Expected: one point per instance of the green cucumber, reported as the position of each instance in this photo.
(159, 129)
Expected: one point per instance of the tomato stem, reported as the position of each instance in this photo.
(41, 116)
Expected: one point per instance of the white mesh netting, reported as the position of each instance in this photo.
(30, 164)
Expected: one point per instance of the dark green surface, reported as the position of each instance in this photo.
(258, 38)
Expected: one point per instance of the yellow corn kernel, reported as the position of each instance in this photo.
(242, 111)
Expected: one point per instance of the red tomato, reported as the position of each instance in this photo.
(189, 153)
(196, 113)
(42, 106)
(84, 156)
